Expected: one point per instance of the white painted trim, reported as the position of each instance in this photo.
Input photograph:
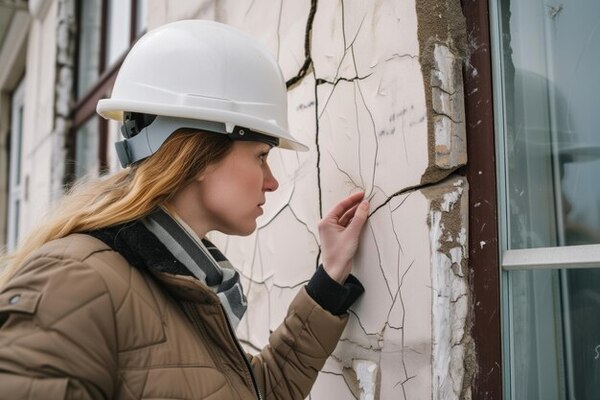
(39, 8)
(12, 53)
(587, 256)
(15, 186)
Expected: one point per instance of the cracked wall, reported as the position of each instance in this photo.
(375, 91)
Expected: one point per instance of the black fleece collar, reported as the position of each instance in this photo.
(140, 248)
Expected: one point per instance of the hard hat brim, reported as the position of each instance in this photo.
(113, 109)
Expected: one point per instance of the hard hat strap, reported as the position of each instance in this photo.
(148, 140)
(134, 122)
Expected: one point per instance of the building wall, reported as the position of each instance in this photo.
(30, 53)
(12, 62)
(381, 108)
(38, 116)
(39, 45)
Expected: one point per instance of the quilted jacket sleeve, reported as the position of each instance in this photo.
(57, 333)
(297, 350)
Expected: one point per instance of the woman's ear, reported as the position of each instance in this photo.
(205, 172)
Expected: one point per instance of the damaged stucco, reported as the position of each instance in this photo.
(453, 348)
(442, 46)
(375, 90)
(63, 101)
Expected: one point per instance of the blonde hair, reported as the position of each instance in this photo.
(126, 195)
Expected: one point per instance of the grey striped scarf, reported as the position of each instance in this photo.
(202, 259)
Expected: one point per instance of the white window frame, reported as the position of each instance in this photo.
(547, 258)
(15, 182)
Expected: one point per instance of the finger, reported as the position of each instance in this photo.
(360, 217)
(347, 217)
(340, 208)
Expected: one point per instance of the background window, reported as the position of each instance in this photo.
(106, 31)
(88, 60)
(118, 28)
(15, 188)
(549, 157)
(87, 139)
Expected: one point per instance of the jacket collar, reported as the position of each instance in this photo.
(145, 252)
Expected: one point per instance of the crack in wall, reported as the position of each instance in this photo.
(307, 43)
(404, 191)
(278, 30)
(357, 86)
(321, 81)
(398, 266)
(356, 185)
(442, 114)
(387, 284)
(318, 148)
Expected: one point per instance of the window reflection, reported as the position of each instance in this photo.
(118, 29)
(88, 62)
(549, 72)
(551, 111)
(141, 17)
(86, 148)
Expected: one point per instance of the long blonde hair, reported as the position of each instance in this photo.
(127, 194)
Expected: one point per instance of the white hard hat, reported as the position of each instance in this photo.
(198, 74)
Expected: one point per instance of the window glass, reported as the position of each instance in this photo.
(554, 334)
(15, 186)
(17, 211)
(88, 62)
(550, 55)
(86, 148)
(18, 136)
(537, 371)
(118, 30)
(141, 17)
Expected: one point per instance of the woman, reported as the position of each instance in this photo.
(120, 295)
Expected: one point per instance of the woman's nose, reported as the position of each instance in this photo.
(270, 184)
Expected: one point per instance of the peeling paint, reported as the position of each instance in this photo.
(63, 99)
(452, 345)
(442, 45)
(366, 375)
(448, 109)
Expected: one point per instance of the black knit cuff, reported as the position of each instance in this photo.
(332, 296)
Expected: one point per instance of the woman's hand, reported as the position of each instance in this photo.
(339, 232)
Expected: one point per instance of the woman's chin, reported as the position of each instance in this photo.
(241, 230)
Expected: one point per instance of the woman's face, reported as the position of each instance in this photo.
(228, 195)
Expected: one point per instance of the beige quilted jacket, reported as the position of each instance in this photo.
(79, 322)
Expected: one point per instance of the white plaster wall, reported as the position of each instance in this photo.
(362, 110)
(38, 117)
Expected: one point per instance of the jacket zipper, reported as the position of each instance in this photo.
(241, 351)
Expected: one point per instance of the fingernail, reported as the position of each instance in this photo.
(364, 204)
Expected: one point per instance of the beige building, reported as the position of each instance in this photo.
(479, 275)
